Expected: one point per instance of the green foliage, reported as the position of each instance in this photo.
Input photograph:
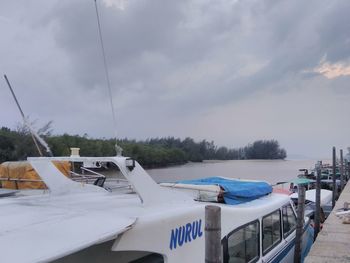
(267, 149)
(7, 147)
(153, 155)
(16, 145)
(156, 152)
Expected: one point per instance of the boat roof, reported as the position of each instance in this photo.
(302, 181)
(47, 227)
(146, 188)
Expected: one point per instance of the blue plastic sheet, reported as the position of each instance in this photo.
(236, 191)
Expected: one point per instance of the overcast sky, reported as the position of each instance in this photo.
(223, 70)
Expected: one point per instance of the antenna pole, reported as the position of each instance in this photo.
(117, 147)
(14, 96)
(24, 118)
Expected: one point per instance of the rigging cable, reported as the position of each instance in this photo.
(117, 147)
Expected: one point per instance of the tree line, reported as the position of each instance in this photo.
(156, 152)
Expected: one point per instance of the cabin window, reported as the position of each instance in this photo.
(271, 225)
(243, 244)
(289, 220)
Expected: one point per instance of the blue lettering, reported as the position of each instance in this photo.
(200, 233)
(173, 238)
(188, 232)
(194, 230)
(181, 236)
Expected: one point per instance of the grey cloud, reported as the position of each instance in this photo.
(334, 31)
(146, 26)
(167, 59)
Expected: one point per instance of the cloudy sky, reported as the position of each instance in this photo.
(225, 70)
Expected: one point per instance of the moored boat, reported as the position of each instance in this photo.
(78, 222)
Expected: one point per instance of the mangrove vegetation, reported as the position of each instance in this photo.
(156, 152)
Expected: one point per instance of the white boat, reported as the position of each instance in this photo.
(310, 195)
(310, 202)
(77, 222)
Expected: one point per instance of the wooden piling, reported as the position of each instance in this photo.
(341, 171)
(318, 200)
(333, 178)
(212, 234)
(300, 223)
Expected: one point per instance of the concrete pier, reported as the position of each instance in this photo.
(332, 243)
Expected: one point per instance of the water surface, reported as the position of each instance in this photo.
(272, 171)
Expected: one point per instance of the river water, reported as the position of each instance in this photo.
(272, 171)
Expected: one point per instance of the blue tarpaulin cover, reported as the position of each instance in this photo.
(236, 191)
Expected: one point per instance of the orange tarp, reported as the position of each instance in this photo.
(24, 171)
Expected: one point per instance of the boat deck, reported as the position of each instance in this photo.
(332, 243)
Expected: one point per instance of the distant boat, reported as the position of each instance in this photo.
(310, 201)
